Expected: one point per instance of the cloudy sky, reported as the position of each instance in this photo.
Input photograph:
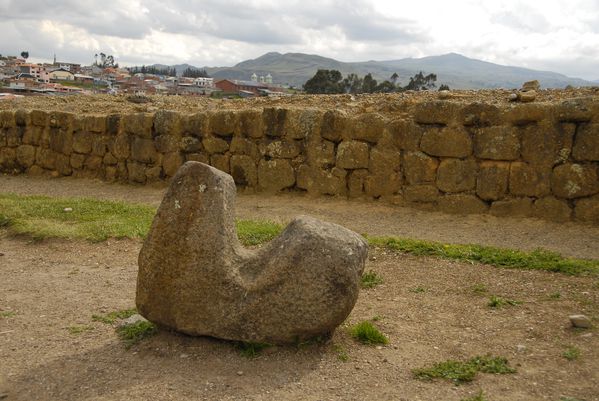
(556, 35)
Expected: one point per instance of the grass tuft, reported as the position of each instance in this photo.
(112, 317)
(367, 333)
(478, 397)
(342, 354)
(131, 334)
(498, 302)
(479, 288)
(250, 349)
(75, 330)
(571, 353)
(370, 279)
(7, 314)
(507, 258)
(461, 372)
(251, 232)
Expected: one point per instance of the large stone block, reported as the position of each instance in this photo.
(352, 155)
(302, 284)
(244, 146)
(22, 117)
(113, 124)
(33, 135)
(384, 161)
(169, 123)
(320, 154)
(322, 182)
(26, 155)
(223, 122)
(587, 210)
(93, 163)
(282, 149)
(244, 171)
(197, 125)
(512, 207)
(382, 184)
(7, 119)
(452, 141)
(251, 123)
(492, 180)
(82, 142)
(221, 162)
(497, 143)
(215, 145)
(273, 120)
(61, 141)
(12, 136)
(586, 145)
(550, 208)
(303, 123)
(436, 112)
(100, 144)
(420, 193)
(171, 163)
(46, 158)
(138, 124)
(8, 159)
(407, 134)
(529, 180)
(136, 172)
(545, 143)
(63, 165)
(335, 125)
(275, 175)
(143, 150)
(169, 143)
(574, 180)
(367, 127)
(479, 115)
(355, 183)
(419, 167)
(121, 147)
(39, 118)
(461, 204)
(455, 175)
(526, 113)
(95, 124)
(77, 161)
(190, 144)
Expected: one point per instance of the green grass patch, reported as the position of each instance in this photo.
(571, 353)
(370, 279)
(461, 372)
(499, 302)
(96, 220)
(417, 290)
(479, 288)
(131, 334)
(7, 314)
(75, 330)
(507, 258)
(342, 354)
(251, 349)
(478, 397)
(555, 295)
(112, 317)
(366, 333)
(251, 232)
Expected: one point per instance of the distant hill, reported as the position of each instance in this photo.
(453, 69)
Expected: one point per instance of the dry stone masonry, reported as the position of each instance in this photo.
(505, 158)
(196, 278)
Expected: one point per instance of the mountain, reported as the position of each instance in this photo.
(453, 69)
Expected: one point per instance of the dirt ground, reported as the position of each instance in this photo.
(427, 307)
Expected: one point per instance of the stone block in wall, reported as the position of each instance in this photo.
(36, 170)
(120, 147)
(302, 123)
(419, 167)
(8, 158)
(282, 149)
(7, 119)
(551, 208)
(61, 141)
(221, 162)
(46, 158)
(63, 165)
(100, 145)
(529, 180)
(168, 143)
(492, 180)
(26, 155)
(436, 112)
(251, 123)
(407, 134)
(461, 204)
(384, 161)
(82, 142)
(367, 127)
(453, 141)
(420, 193)
(197, 157)
(2, 138)
(377, 185)
(61, 120)
(190, 144)
(197, 125)
(479, 115)
(335, 125)
(109, 159)
(11, 137)
(320, 154)
(545, 143)
(275, 175)
(215, 145)
(587, 210)
(455, 175)
(33, 135)
(77, 161)
(93, 163)
(168, 123)
(355, 183)
(223, 122)
(39, 118)
(153, 174)
(244, 146)
(497, 143)
(171, 162)
(512, 207)
(574, 180)
(95, 124)
(136, 172)
(138, 124)
(578, 110)
(110, 173)
(352, 155)
(143, 150)
(113, 124)
(322, 182)
(586, 145)
(244, 171)
(526, 113)
(273, 121)
(22, 118)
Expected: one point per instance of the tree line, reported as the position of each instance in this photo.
(331, 82)
(189, 72)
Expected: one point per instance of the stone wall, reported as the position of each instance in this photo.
(535, 159)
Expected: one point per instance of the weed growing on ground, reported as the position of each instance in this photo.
(131, 334)
(417, 290)
(112, 317)
(479, 288)
(571, 353)
(7, 314)
(370, 279)
(250, 349)
(555, 295)
(4, 221)
(498, 302)
(460, 372)
(342, 354)
(75, 330)
(367, 333)
(478, 397)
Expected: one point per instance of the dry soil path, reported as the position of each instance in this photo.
(371, 217)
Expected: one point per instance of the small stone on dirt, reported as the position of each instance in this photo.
(132, 320)
(520, 348)
(580, 321)
(239, 373)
